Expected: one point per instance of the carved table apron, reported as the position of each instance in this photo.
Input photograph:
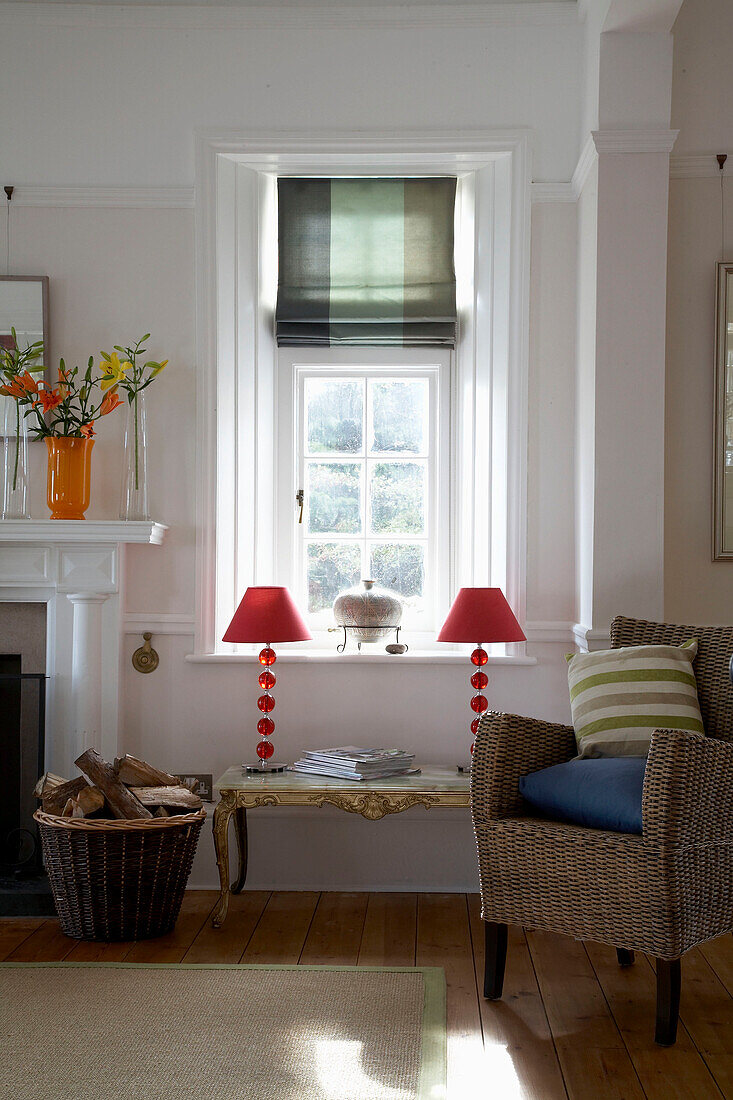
(372, 798)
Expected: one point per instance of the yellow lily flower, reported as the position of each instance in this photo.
(114, 371)
(157, 368)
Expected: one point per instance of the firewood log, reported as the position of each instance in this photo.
(90, 799)
(161, 812)
(138, 773)
(122, 802)
(55, 799)
(179, 797)
(72, 809)
(46, 783)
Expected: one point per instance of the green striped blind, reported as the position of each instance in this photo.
(366, 262)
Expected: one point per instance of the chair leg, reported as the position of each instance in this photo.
(668, 1001)
(495, 938)
(625, 958)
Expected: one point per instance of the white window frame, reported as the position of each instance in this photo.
(237, 457)
(297, 364)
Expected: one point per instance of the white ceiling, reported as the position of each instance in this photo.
(295, 4)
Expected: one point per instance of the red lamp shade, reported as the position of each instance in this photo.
(481, 615)
(267, 613)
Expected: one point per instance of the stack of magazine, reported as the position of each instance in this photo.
(351, 762)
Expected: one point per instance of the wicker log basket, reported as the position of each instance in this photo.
(118, 879)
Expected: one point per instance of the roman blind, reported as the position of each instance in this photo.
(366, 262)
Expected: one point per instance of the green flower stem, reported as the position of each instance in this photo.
(136, 445)
(17, 444)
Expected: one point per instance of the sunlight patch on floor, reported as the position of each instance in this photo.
(476, 1072)
(341, 1075)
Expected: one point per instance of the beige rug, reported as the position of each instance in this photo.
(93, 1031)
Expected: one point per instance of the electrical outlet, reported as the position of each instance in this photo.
(206, 784)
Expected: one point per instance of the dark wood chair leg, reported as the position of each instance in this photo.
(495, 938)
(625, 958)
(669, 976)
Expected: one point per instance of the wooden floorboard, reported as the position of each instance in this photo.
(14, 931)
(518, 1042)
(228, 943)
(444, 939)
(706, 1009)
(390, 927)
(588, 1041)
(46, 944)
(335, 932)
(282, 929)
(571, 1025)
(676, 1073)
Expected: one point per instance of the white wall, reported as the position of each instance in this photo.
(697, 590)
(115, 105)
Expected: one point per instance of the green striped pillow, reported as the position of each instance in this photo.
(619, 697)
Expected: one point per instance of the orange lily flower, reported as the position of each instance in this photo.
(87, 430)
(28, 382)
(50, 399)
(110, 402)
(13, 388)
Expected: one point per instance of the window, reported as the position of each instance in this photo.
(369, 451)
(480, 409)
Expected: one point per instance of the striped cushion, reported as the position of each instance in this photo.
(619, 697)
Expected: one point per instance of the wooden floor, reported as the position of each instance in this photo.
(571, 1025)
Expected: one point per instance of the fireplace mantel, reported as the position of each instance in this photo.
(80, 531)
(74, 567)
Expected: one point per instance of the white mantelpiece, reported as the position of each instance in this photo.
(80, 531)
(74, 567)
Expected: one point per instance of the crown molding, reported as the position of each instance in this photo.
(111, 197)
(698, 167)
(634, 141)
(218, 17)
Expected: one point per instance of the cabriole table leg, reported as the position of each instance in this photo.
(240, 831)
(222, 814)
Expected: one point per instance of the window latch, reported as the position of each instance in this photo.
(300, 497)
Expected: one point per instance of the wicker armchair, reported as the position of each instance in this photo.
(662, 892)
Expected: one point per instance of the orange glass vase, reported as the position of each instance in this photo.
(69, 476)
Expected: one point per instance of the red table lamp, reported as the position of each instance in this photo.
(480, 615)
(268, 614)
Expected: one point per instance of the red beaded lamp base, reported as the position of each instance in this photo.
(265, 726)
(479, 703)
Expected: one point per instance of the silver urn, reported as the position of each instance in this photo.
(368, 612)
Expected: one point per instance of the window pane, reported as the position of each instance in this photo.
(398, 498)
(333, 495)
(399, 416)
(334, 414)
(400, 566)
(332, 566)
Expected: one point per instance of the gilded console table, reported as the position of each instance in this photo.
(372, 799)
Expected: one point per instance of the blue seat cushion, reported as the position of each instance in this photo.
(598, 792)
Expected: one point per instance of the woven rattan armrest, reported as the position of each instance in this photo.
(508, 747)
(688, 791)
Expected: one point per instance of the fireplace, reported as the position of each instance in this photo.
(61, 614)
(23, 884)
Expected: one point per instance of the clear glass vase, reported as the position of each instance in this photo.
(15, 502)
(134, 503)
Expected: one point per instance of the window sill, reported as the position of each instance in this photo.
(318, 656)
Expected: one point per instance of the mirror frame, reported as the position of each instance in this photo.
(723, 270)
(43, 280)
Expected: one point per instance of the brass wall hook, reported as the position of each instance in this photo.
(145, 659)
